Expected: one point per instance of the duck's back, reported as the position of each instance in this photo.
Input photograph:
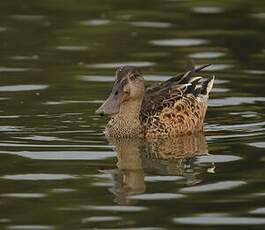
(176, 107)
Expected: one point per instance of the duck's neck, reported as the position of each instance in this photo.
(127, 122)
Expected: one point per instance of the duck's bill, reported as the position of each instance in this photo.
(110, 107)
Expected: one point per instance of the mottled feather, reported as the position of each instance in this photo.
(177, 106)
(174, 89)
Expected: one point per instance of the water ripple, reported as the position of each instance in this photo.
(208, 10)
(218, 67)
(97, 78)
(119, 64)
(30, 227)
(64, 155)
(101, 219)
(258, 211)
(258, 144)
(217, 158)
(7, 144)
(116, 208)
(157, 196)
(9, 117)
(24, 195)
(95, 22)
(20, 88)
(2, 29)
(62, 190)
(13, 69)
(148, 24)
(207, 55)
(147, 77)
(39, 176)
(181, 42)
(28, 17)
(10, 129)
(223, 185)
(211, 220)
(256, 72)
(19, 58)
(162, 178)
(72, 48)
(42, 138)
(229, 101)
(65, 102)
(259, 15)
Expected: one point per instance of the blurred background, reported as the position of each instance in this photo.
(57, 63)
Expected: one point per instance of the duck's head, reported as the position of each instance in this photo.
(128, 86)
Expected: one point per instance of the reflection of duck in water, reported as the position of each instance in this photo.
(172, 108)
(129, 178)
(163, 156)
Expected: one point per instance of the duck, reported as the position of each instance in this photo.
(172, 108)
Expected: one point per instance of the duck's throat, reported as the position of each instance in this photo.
(127, 122)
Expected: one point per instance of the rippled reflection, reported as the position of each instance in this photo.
(173, 157)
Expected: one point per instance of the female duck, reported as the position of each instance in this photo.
(172, 108)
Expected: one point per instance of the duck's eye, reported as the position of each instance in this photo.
(116, 93)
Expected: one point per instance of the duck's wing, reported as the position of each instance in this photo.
(176, 88)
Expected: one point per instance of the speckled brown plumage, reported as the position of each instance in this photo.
(177, 106)
(184, 116)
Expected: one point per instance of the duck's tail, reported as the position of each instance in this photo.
(207, 86)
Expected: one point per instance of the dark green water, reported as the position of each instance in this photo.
(57, 62)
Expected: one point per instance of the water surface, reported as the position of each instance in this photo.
(57, 64)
